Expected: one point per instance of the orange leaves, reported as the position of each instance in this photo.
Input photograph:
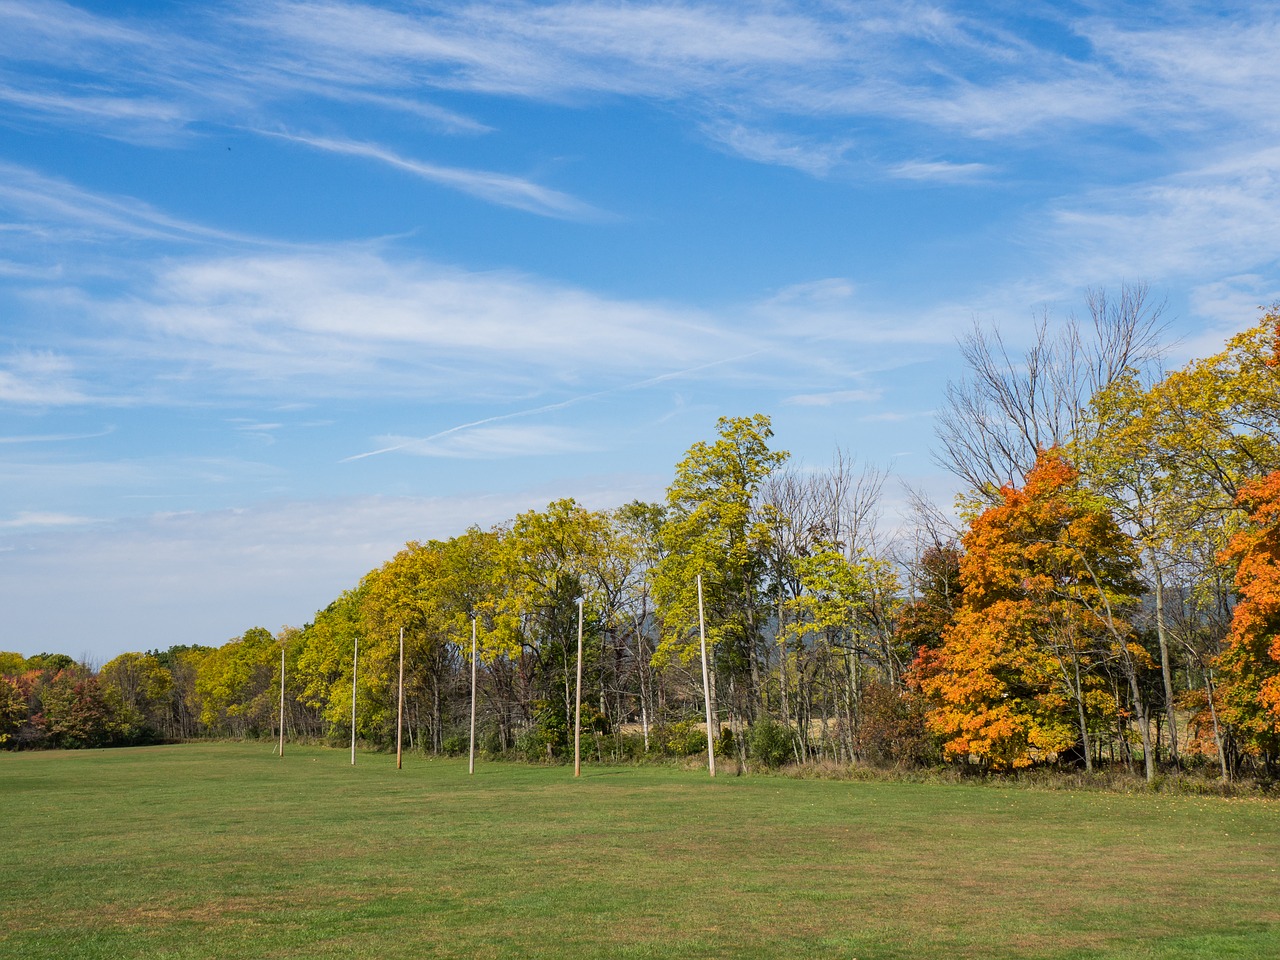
(1251, 661)
(1037, 570)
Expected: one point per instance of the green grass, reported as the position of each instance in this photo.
(223, 850)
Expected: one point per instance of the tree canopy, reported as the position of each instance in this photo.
(1110, 594)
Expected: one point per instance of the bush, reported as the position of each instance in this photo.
(726, 743)
(771, 743)
(891, 729)
(456, 744)
(535, 745)
(490, 741)
(628, 747)
(682, 739)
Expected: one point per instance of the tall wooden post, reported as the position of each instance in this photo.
(471, 758)
(282, 698)
(355, 666)
(400, 703)
(706, 682)
(577, 704)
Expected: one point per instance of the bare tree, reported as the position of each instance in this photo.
(808, 513)
(1008, 407)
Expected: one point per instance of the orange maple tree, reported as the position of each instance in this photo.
(1250, 662)
(1014, 678)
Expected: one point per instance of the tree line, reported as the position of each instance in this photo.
(1109, 597)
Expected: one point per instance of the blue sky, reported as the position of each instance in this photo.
(286, 284)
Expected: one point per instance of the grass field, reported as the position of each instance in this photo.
(223, 850)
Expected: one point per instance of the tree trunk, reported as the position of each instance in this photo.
(1144, 722)
(1217, 731)
(1084, 724)
(783, 680)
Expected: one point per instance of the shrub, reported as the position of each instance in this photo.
(891, 729)
(771, 743)
(534, 745)
(456, 743)
(682, 739)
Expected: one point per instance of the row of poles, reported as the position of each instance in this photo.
(577, 707)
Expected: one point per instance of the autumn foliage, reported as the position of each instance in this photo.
(1250, 661)
(1012, 681)
(1022, 641)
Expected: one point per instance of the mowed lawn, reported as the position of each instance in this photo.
(224, 850)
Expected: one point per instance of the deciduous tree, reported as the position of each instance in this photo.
(1250, 664)
(1045, 575)
(714, 530)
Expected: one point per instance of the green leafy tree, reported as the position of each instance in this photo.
(715, 529)
(236, 685)
(638, 541)
(324, 663)
(432, 591)
(1171, 459)
(139, 689)
(1216, 422)
(548, 557)
(183, 661)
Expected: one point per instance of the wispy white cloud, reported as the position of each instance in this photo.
(39, 379)
(1202, 220)
(350, 318)
(28, 520)
(55, 209)
(493, 442)
(1208, 60)
(549, 50)
(744, 71)
(345, 320)
(831, 310)
(142, 81)
(833, 397)
(55, 437)
(934, 65)
(499, 188)
(130, 111)
(448, 121)
(815, 157)
(1225, 306)
(941, 171)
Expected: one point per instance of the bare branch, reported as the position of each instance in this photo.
(995, 420)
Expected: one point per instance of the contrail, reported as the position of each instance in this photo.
(554, 406)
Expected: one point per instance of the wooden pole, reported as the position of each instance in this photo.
(400, 703)
(282, 699)
(355, 666)
(706, 683)
(471, 759)
(577, 704)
